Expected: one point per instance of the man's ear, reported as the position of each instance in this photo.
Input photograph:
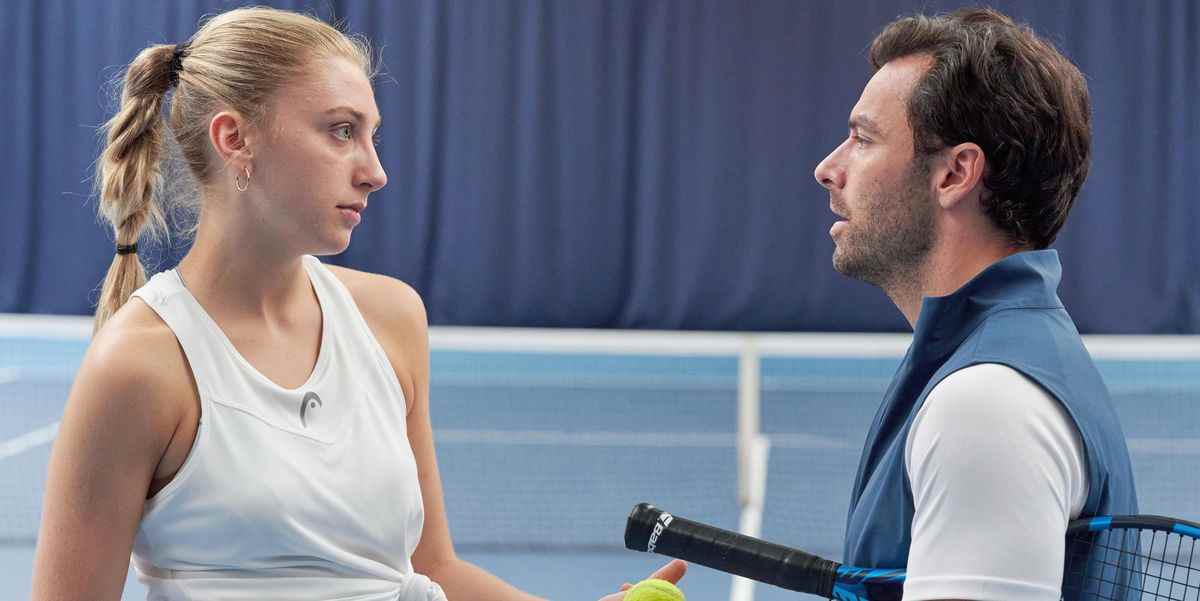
(958, 172)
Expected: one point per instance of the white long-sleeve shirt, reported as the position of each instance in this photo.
(997, 469)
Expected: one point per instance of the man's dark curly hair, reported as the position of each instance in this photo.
(997, 84)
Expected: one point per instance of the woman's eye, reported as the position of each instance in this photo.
(344, 133)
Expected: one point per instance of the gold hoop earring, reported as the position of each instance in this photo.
(237, 182)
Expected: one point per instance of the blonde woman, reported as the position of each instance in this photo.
(252, 424)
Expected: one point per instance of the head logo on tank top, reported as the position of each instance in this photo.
(311, 401)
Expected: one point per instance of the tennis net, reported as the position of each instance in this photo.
(546, 439)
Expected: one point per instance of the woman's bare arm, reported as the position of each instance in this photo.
(121, 414)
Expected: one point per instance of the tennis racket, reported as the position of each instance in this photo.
(1123, 558)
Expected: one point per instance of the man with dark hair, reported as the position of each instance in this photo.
(965, 153)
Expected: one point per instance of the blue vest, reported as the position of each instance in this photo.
(1008, 314)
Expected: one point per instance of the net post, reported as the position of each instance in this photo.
(750, 520)
(749, 386)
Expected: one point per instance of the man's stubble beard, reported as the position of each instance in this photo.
(889, 248)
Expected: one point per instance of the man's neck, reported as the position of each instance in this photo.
(944, 271)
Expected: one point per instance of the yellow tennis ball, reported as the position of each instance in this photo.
(653, 589)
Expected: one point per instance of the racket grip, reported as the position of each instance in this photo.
(650, 529)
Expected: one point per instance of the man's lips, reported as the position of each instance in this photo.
(842, 222)
(835, 211)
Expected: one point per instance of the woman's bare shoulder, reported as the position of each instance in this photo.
(386, 302)
(135, 350)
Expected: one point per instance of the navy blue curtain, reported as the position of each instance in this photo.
(610, 163)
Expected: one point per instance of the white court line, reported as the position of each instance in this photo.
(29, 440)
(679, 382)
(687, 383)
(586, 439)
(46, 435)
(792, 441)
(630, 439)
(1157, 446)
(8, 375)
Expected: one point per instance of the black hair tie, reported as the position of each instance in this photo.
(127, 249)
(181, 52)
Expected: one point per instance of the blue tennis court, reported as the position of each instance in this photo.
(543, 454)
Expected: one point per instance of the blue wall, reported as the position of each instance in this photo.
(610, 163)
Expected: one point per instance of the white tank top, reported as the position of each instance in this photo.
(308, 493)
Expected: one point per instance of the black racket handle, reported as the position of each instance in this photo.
(652, 530)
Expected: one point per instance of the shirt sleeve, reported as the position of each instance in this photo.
(997, 470)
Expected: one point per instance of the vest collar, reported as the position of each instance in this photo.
(1023, 280)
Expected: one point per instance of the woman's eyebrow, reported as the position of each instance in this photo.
(358, 115)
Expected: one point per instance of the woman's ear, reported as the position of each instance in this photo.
(229, 134)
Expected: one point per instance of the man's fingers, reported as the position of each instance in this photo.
(671, 572)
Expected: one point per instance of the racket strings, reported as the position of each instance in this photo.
(1111, 565)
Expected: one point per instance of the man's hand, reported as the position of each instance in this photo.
(672, 572)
